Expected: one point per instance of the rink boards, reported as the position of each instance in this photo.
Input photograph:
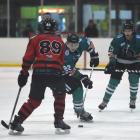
(13, 49)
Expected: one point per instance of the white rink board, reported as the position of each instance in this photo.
(13, 49)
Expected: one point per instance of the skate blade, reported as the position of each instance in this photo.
(100, 110)
(86, 121)
(60, 131)
(132, 110)
(13, 132)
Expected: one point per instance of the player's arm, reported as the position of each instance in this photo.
(62, 53)
(112, 58)
(27, 62)
(112, 51)
(29, 56)
(94, 56)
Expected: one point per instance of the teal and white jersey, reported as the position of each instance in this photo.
(71, 58)
(126, 52)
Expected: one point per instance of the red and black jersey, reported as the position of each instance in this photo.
(44, 51)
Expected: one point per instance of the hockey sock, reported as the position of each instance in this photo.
(78, 99)
(113, 83)
(28, 107)
(59, 105)
(134, 83)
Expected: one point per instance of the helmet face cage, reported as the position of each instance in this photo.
(72, 42)
(48, 23)
(45, 17)
(73, 38)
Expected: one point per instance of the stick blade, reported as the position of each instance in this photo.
(5, 124)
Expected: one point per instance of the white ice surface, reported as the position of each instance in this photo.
(116, 122)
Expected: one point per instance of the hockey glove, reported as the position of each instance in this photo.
(22, 78)
(94, 60)
(109, 69)
(87, 82)
(111, 66)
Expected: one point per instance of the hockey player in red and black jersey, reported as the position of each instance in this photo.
(45, 53)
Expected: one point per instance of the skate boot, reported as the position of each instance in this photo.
(61, 127)
(132, 104)
(102, 105)
(16, 127)
(85, 116)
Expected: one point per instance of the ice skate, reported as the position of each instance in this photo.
(16, 127)
(61, 127)
(132, 105)
(86, 117)
(102, 106)
(83, 115)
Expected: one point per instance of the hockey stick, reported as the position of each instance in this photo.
(3, 122)
(127, 70)
(87, 86)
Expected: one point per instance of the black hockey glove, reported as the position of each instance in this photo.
(22, 78)
(109, 69)
(87, 82)
(94, 60)
(111, 66)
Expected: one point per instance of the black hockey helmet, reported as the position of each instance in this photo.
(72, 42)
(73, 38)
(48, 23)
(128, 25)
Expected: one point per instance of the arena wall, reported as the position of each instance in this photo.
(13, 49)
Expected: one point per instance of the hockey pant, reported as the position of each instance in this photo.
(38, 86)
(74, 87)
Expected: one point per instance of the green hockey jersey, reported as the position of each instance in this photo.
(125, 51)
(71, 58)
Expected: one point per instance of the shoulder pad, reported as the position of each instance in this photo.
(138, 36)
(33, 36)
(80, 39)
(85, 39)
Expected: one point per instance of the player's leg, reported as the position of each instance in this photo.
(134, 83)
(59, 93)
(78, 105)
(74, 87)
(35, 97)
(24, 112)
(110, 89)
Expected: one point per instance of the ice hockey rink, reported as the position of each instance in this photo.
(116, 122)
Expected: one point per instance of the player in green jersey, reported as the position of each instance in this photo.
(73, 78)
(124, 55)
